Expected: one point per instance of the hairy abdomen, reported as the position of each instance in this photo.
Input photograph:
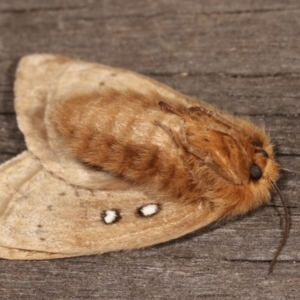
(119, 133)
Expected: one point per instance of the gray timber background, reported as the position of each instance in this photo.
(242, 56)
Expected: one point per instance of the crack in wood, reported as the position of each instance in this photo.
(241, 260)
(232, 75)
(201, 13)
(40, 9)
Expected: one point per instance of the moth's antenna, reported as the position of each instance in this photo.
(286, 227)
(289, 170)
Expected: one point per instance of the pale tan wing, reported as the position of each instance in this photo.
(44, 217)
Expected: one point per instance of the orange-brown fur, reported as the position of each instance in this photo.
(172, 151)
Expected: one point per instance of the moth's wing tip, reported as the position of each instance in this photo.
(35, 70)
(37, 59)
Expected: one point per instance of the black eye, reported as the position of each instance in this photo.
(255, 172)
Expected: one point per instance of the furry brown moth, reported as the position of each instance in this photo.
(117, 160)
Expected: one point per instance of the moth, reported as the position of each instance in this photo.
(116, 160)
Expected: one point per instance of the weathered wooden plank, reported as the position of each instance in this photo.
(203, 43)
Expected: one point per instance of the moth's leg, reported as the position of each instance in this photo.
(188, 146)
(205, 158)
(180, 150)
(168, 131)
(173, 138)
(215, 116)
(230, 133)
(227, 125)
(202, 110)
(166, 107)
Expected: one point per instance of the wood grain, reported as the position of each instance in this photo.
(242, 56)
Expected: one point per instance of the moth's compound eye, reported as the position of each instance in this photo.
(255, 172)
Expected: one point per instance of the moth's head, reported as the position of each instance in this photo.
(238, 155)
(237, 150)
(253, 168)
(263, 166)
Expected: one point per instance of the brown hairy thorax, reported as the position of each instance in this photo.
(185, 153)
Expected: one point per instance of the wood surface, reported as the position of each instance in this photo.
(242, 56)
